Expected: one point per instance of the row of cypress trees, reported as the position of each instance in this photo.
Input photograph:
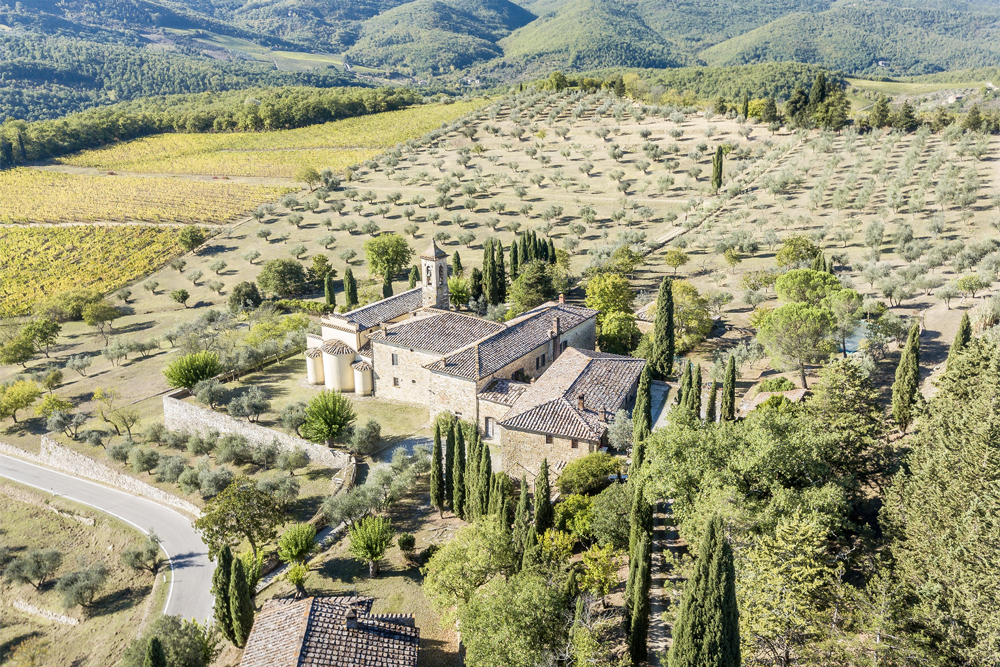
(529, 248)
(494, 273)
(234, 608)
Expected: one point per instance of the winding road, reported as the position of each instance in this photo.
(190, 593)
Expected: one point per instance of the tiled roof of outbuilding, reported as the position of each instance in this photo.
(313, 632)
(336, 347)
(551, 404)
(519, 337)
(314, 352)
(505, 392)
(376, 313)
(442, 334)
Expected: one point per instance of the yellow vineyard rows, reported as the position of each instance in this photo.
(35, 195)
(36, 262)
(272, 154)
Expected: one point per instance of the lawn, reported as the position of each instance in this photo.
(126, 604)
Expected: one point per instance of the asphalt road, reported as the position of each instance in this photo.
(190, 593)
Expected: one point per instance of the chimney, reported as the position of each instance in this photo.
(580, 401)
(556, 338)
(604, 416)
(562, 298)
(351, 620)
(385, 330)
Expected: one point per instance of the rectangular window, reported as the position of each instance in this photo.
(536, 362)
(489, 426)
(395, 359)
(395, 382)
(543, 360)
(548, 440)
(562, 348)
(575, 444)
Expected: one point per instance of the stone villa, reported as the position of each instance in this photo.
(533, 384)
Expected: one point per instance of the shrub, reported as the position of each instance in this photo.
(155, 434)
(142, 459)
(328, 414)
(233, 449)
(588, 475)
(780, 383)
(213, 482)
(185, 643)
(296, 543)
(191, 369)
(407, 542)
(190, 238)
(170, 468)
(199, 446)
(119, 451)
(284, 490)
(609, 515)
(366, 438)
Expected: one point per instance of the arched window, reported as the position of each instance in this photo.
(430, 276)
(440, 275)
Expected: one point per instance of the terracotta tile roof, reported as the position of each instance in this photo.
(433, 252)
(376, 313)
(314, 352)
(441, 334)
(314, 632)
(505, 392)
(336, 347)
(519, 337)
(551, 404)
(366, 349)
(361, 366)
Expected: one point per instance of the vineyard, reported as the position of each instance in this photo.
(273, 154)
(36, 262)
(36, 195)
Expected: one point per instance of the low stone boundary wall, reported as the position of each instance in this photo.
(56, 456)
(50, 615)
(179, 415)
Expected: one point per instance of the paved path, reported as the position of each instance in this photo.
(190, 593)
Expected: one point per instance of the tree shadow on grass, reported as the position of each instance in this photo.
(134, 327)
(343, 569)
(435, 652)
(307, 507)
(12, 643)
(120, 600)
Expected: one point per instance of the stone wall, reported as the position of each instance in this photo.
(187, 417)
(458, 396)
(495, 410)
(54, 455)
(521, 452)
(414, 379)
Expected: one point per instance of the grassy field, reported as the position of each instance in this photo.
(126, 604)
(911, 87)
(278, 154)
(295, 61)
(102, 258)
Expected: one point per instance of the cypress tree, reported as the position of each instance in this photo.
(544, 515)
(485, 479)
(458, 485)
(707, 630)
(717, 169)
(552, 252)
(638, 456)
(240, 603)
(525, 254)
(456, 264)
(414, 276)
(817, 95)
(475, 284)
(386, 288)
(513, 261)
(154, 654)
(684, 392)
(328, 291)
(220, 589)
(907, 384)
(639, 619)
(745, 106)
(662, 359)
(472, 478)
(637, 528)
(449, 467)
(437, 473)
(522, 518)
(728, 412)
(350, 289)
(962, 337)
(695, 402)
(501, 274)
(642, 414)
(532, 551)
(710, 408)
(817, 264)
(490, 282)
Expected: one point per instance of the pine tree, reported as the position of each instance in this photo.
(328, 291)
(458, 484)
(414, 276)
(522, 519)
(350, 289)
(220, 589)
(707, 630)
(907, 384)
(437, 473)
(962, 337)
(642, 414)
(728, 412)
(662, 359)
(710, 408)
(639, 618)
(386, 288)
(485, 479)
(449, 466)
(501, 274)
(717, 169)
(456, 264)
(544, 515)
(240, 603)
(154, 654)
(514, 264)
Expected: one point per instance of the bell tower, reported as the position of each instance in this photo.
(434, 277)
